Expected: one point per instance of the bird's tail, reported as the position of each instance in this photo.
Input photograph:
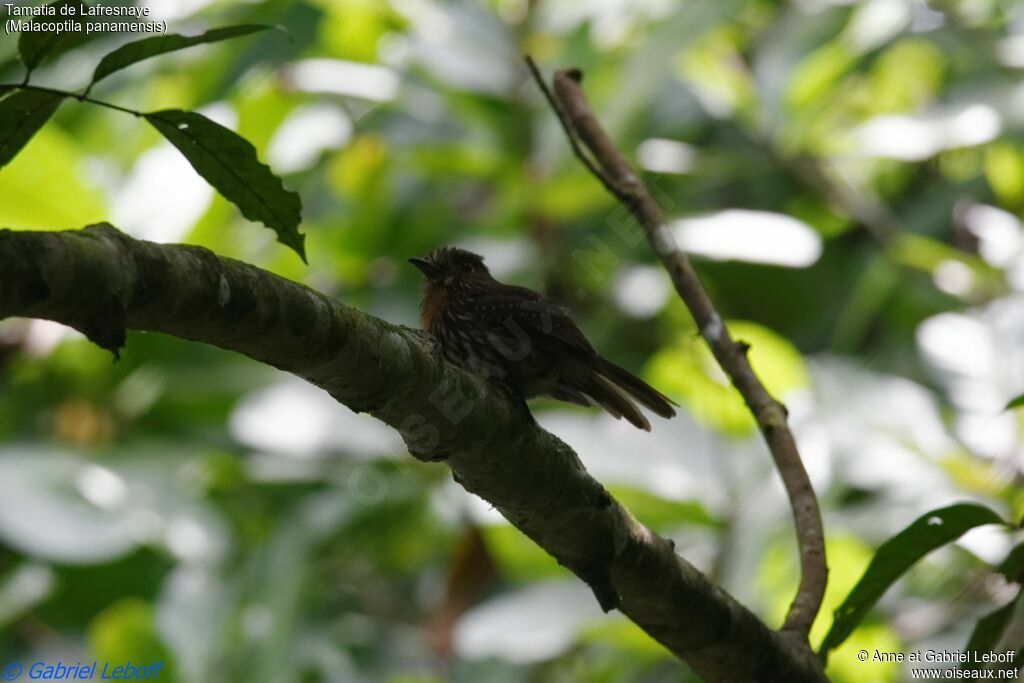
(635, 387)
(608, 395)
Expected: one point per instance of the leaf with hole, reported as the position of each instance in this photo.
(34, 45)
(22, 114)
(139, 50)
(229, 162)
(894, 557)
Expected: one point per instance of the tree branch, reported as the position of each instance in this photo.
(614, 172)
(103, 282)
(81, 97)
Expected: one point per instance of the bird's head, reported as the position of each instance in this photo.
(452, 267)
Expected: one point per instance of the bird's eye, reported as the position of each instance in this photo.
(467, 266)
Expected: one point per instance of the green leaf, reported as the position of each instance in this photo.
(35, 46)
(138, 50)
(660, 514)
(519, 559)
(686, 370)
(21, 115)
(1012, 568)
(229, 163)
(894, 557)
(125, 633)
(821, 72)
(26, 184)
(1004, 171)
(987, 632)
(1015, 402)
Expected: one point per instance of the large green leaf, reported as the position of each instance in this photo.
(138, 50)
(229, 163)
(22, 114)
(35, 46)
(894, 557)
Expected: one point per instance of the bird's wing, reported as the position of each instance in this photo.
(517, 312)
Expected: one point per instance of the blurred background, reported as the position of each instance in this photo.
(849, 177)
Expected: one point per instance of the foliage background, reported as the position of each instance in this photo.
(849, 176)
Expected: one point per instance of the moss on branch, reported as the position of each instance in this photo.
(103, 282)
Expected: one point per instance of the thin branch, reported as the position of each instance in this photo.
(103, 282)
(616, 174)
(570, 132)
(81, 97)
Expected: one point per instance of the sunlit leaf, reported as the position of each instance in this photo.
(928, 254)
(905, 76)
(686, 370)
(894, 557)
(711, 65)
(518, 559)
(818, 74)
(22, 114)
(1015, 402)
(125, 633)
(779, 573)
(660, 514)
(972, 474)
(625, 636)
(1004, 171)
(26, 183)
(138, 50)
(262, 108)
(356, 170)
(845, 665)
(571, 195)
(229, 163)
(352, 30)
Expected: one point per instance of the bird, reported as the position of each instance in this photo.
(516, 338)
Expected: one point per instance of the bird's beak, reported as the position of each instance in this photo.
(431, 271)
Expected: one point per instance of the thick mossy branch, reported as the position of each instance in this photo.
(103, 282)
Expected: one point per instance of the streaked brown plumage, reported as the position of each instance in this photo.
(515, 337)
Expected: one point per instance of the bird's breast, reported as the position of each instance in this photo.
(432, 307)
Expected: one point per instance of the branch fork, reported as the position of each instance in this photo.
(596, 151)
